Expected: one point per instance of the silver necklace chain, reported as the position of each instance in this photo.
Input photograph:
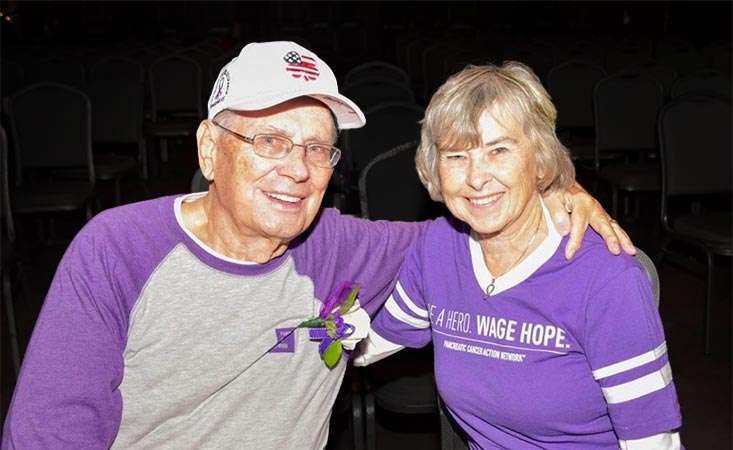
(490, 288)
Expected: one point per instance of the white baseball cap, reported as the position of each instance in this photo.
(268, 73)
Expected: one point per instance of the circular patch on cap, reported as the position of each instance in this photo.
(221, 88)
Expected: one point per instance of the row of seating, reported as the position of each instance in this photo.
(24, 65)
(427, 57)
(429, 61)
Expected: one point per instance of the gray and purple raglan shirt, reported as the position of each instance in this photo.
(144, 330)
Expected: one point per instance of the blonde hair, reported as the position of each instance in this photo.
(515, 97)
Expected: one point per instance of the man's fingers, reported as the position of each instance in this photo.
(558, 208)
(578, 226)
(585, 211)
(607, 230)
(611, 232)
(624, 239)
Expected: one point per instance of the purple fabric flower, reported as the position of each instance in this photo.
(329, 327)
(334, 299)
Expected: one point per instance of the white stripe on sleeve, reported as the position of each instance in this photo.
(662, 441)
(394, 309)
(410, 304)
(631, 363)
(639, 387)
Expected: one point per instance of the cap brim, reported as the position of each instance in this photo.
(347, 114)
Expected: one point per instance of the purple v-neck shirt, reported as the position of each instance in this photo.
(562, 355)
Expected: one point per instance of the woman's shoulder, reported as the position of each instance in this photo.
(598, 264)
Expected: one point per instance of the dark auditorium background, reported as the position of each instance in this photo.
(643, 93)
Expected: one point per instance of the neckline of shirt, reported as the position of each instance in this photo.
(179, 219)
(522, 271)
(210, 256)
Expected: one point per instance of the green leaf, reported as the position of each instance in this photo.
(332, 355)
(311, 323)
(330, 327)
(350, 299)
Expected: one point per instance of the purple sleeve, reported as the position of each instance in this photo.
(625, 346)
(369, 253)
(405, 318)
(67, 394)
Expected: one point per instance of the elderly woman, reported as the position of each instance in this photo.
(531, 350)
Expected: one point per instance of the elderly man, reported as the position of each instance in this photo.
(169, 322)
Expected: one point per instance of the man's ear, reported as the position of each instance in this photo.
(206, 149)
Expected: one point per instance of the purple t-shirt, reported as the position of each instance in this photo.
(145, 332)
(562, 355)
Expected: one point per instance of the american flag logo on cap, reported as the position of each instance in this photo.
(301, 66)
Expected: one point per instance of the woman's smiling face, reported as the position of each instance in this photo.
(490, 186)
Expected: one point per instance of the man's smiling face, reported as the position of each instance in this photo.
(273, 198)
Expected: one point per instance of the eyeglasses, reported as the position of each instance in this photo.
(276, 147)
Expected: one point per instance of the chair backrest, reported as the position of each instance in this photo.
(175, 86)
(372, 91)
(52, 128)
(198, 182)
(204, 61)
(389, 187)
(117, 93)
(388, 125)
(695, 143)
(706, 83)
(571, 86)
(373, 69)
(651, 272)
(625, 109)
(5, 208)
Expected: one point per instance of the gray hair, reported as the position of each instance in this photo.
(516, 98)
